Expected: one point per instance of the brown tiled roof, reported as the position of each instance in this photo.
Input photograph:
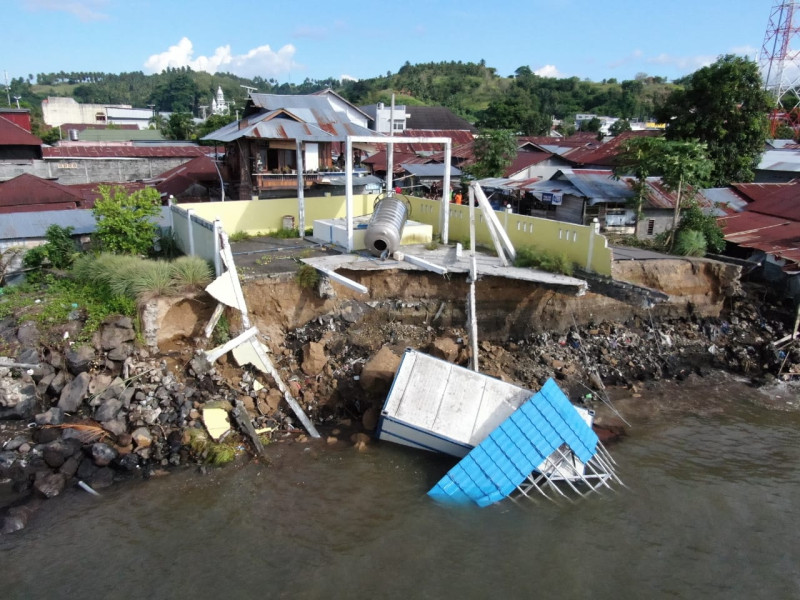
(12, 134)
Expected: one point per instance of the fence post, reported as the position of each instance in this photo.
(217, 260)
(190, 230)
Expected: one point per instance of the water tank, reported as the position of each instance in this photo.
(385, 229)
(73, 135)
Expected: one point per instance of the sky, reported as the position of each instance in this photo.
(293, 40)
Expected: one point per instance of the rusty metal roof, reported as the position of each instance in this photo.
(88, 150)
(773, 235)
(605, 154)
(12, 134)
(277, 117)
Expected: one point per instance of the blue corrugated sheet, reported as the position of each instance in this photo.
(494, 468)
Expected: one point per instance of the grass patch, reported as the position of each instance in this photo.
(191, 271)
(553, 262)
(240, 236)
(286, 233)
(59, 300)
(209, 451)
(136, 277)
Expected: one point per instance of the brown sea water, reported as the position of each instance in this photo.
(711, 510)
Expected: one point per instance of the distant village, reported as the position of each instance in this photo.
(567, 179)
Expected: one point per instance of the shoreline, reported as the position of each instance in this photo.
(144, 407)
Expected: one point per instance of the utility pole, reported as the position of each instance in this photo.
(780, 60)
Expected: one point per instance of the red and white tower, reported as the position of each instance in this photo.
(780, 55)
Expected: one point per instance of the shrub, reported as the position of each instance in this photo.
(154, 278)
(693, 219)
(124, 221)
(690, 243)
(191, 271)
(59, 251)
(239, 236)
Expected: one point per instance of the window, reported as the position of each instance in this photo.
(651, 226)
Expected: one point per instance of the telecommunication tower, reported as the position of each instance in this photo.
(780, 63)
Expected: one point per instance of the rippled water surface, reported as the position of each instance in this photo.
(711, 511)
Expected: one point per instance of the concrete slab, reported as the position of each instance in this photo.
(446, 256)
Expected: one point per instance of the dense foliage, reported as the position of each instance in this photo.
(522, 101)
(495, 149)
(725, 106)
(125, 221)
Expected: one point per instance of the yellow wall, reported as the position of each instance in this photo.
(582, 245)
(265, 216)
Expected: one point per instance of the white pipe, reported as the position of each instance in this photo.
(301, 200)
(491, 217)
(487, 211)
(420, 262)
(348, 190)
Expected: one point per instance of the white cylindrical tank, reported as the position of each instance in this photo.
(385, 229)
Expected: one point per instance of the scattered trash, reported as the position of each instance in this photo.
(216, 421)
(85, 486)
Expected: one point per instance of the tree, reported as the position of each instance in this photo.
(683, 167)
(124, 221)
(593, 125)
(724, 106)
(179, 126)
(494, 149)
(213, 123)
(619, 126)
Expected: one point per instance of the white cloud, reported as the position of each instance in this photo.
(747, 50)
(635, 55)
(85, 10)
(548, 71)
(684, 63)
(262, 61)
(346, 77)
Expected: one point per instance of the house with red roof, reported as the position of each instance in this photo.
(17, 144)
(764, 227)
(28, 193)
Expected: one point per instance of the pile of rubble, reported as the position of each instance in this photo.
(104, 412)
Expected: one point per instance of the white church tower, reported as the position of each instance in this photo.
(218, 105)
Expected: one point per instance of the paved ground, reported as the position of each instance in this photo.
(628, 253)
(268, 256)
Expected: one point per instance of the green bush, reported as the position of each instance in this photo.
(690, 243)
(191, 271)
(59, 250)
(125, 221)
(693, 219)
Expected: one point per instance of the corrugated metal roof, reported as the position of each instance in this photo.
(605, 154)
(725, 200)
(780, 160)
(493, 469)
(21, 226)
(524, 159)
(89, 150)
(598, 186)
(314, 125)
(26, 189)
(12, 134)
(430, 170)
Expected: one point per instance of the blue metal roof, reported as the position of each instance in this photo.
(494, 468)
